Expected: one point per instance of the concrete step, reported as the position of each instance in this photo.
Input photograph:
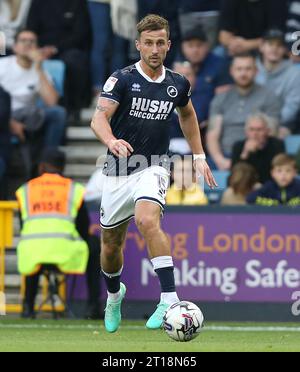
(84, 171)
(11, 265)
(87, 114)
(13, 298)
(17, 225)
(80, 134)
(12, 281)
(16, 298)
(16, 241)
(84, 154)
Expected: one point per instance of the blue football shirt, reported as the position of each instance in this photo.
(143, 117)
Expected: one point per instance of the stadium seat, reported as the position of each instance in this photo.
(292, 144)
(221, 177)
(14, 140)
(56, 69)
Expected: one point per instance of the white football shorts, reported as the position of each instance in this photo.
(120, 194)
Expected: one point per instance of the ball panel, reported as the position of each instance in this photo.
(183, 321)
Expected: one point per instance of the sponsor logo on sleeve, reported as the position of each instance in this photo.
(110, 84)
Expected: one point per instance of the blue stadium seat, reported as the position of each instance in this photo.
(221, 177)
(56, 69)
(292, 144)
(14, 140)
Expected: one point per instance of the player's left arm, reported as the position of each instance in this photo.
(190, 128)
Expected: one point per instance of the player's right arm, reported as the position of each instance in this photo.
(100, 125)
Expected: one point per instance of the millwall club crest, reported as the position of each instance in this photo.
(172, 92)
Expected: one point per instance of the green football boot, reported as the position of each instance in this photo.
(113, 317)
(156, 320)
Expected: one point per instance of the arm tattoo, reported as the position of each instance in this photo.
(101, 108)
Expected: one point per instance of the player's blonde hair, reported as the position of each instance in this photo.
(153, 22)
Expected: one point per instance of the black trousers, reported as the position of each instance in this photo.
(92, 276)
(77, 93)
(5, 145)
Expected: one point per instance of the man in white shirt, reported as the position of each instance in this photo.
(22, 76)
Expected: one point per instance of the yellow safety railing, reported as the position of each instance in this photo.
(7, 211)
(6, 234)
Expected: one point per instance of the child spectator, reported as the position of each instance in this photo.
(185, 190)
(284, 189)
(243, 180)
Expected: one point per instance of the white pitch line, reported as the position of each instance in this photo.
(252, 329)
(132, 327)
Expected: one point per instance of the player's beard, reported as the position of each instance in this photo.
(246, 85)
(155, 64)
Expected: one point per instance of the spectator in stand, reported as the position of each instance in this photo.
(259, 148)
(63, 28)
(109, 51)
(243, 181)
(204, 13)
(185, 190)
(4, 138)
(244, 22)
(282, 77)
(22, 76)
(283, 189)
(178, 143)
(211, 70)
(13, 16)
(293, 26)
(230, 110)
(297, 158)
(169, 10)
(194, 6)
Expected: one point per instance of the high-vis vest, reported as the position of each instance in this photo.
(49, 206)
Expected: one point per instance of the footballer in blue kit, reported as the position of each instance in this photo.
(145, 108)
(132, 119)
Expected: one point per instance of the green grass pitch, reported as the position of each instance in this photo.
(47, 335)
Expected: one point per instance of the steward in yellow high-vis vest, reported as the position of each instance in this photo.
(49, 206)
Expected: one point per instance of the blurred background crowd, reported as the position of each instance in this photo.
(239, 55)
